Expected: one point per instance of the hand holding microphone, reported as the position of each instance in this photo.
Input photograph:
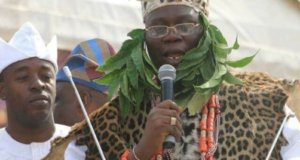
(166, 75)
(163, 124)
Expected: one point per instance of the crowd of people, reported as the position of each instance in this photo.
(215, 114)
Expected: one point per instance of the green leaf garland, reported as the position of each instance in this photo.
(201, 71)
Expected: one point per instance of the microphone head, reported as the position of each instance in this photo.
(166, 71)
(67, 71)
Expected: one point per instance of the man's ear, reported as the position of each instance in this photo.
(86, 100)
(2, 91)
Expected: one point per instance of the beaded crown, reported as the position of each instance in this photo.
(150, 5)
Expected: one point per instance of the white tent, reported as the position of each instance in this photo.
(73, 21)
(273, 26)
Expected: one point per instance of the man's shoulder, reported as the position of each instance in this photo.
(2, 130)
(3, 134)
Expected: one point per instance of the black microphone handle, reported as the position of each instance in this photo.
(167, 90)
(168, 94)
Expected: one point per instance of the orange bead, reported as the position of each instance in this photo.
(125, 155)
(203, 147)
(210, 125)
(211, 115)
(203, 124)
(210, 158)
(205, 109)
(212, 101)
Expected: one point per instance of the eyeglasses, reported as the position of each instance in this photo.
(183, 29)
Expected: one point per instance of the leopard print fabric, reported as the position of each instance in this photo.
(250, 118)
(251, 115)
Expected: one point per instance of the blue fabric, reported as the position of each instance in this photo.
(97, 51)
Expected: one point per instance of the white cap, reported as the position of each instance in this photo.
(27, 43)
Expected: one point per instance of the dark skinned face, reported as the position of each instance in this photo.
(67, 108)
(28, 87)
(172, 45)
(65, 111)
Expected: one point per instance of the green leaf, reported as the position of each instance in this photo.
(207, 68)
(137, 34)
(107, 79)
(220, 71)
(201, 90)
(120, 59)
(113, 88)
(132, 74)
(216, 89)
(222, 50)
(191, 76)
(124, 84)
(229, 78)
(139, 96)
(124, 105)
(187, 89)
(128, 45)
(149, 64)
(240, 63)
(138, 59)
(149, 78)
(197, 102)
(183, 73)
(199, 79)
(183, 100)
(198, 71)
(188, 83)
(219, 38)
(236, 45)
(189, 63)
(200, 50)
(211, 83)
(205, 20)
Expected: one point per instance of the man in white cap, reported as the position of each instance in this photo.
(27, 83)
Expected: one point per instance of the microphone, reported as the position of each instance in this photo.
(69, 75)
(166, 75)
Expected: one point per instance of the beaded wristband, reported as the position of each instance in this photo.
(125, 155)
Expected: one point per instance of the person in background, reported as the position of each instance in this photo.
(82, 62)
(27, 84)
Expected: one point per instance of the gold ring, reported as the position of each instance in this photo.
(173, 121)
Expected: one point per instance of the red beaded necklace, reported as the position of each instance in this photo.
(209, 128)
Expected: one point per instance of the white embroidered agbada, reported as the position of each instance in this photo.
(10, 149)
(27, 43)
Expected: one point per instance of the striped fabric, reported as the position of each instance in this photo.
(84, 60)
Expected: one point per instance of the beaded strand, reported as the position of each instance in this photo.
(208, 130)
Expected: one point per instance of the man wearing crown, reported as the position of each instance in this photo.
(215, 114)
